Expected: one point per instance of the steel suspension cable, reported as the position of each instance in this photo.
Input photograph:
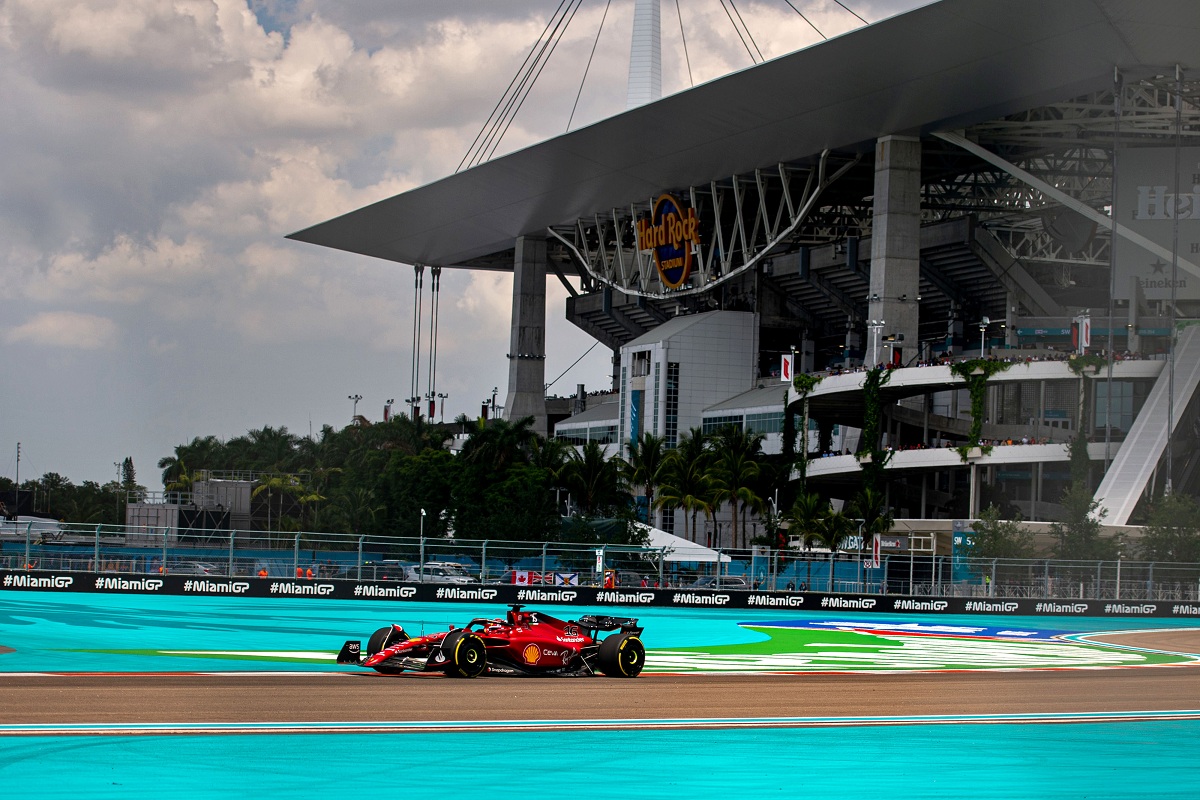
(576, 361)
(500, 123)
(534, 77)
(806, 19)
(1112, 268)
(686, 58)
(1171, 342)
(588, 68)
(843, 5)
(435, 275)
(419, 271)
(738, 31)
(499, 102)
(490, 123)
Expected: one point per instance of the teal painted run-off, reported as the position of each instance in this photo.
(1147, 755)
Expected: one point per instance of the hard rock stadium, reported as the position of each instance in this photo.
(1010, 180)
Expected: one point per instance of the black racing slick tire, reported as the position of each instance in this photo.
(384, 638)
(622, 656)
(381, 640)
(465, 653)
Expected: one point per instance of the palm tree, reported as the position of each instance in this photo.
(183, 480)
(554, 456)
(272, 448)
(281, 485)
(595, 480)
(357, 507)
(500, 443)
(870, 506)
(643, 467)
(684, 481)
(815, 522)
(736, 470)
(203, 453)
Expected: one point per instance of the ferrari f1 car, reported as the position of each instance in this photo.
(522, 643)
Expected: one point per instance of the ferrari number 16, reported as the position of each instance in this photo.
(522, 643)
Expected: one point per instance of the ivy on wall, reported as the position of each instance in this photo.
(1079, 364)
(870, 456)
(803, 384)
(976, 372)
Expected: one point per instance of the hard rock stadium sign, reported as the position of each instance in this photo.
(672, 233)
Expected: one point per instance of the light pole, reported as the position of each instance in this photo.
(422, 540)
(354, 398)
(983, 326)
(876, 325)
(117, 464)
(442, 405)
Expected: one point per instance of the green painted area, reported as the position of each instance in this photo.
(811, 650)
(803, 649)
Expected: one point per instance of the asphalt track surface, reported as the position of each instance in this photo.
(368, 697)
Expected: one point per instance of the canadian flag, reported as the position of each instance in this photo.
(521, 577)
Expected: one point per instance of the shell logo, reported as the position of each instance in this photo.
(531, 653)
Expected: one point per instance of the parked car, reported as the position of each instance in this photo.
(194, 568)
(434, 572)
(727, 582)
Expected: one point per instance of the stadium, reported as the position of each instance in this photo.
(932, 190)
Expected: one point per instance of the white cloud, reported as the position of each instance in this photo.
(67, 329)
(158, 151)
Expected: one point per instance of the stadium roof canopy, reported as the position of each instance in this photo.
(940, 67)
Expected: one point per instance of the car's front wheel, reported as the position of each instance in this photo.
(384, 638)
(381, 640)
(465, 653)
(622, 656)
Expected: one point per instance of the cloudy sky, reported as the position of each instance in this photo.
(156, 153)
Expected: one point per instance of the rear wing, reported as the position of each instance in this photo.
(624, 624)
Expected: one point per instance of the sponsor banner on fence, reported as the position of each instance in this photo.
(573, 595)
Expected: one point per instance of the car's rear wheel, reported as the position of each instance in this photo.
(622, 656)
(466, 655)
(381, 640)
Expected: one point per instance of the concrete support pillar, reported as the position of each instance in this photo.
(896, 244)
(527, 337)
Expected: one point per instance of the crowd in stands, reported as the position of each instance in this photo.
(944, 444)
(944, 361)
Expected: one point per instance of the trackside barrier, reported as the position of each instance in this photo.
(132, 552)
(201, 586)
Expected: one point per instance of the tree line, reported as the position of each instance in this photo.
(509, 483)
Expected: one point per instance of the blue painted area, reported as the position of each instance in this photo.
(911, 758)
(46, 630)
(1128, 759)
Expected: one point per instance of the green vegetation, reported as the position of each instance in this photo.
(976, 372)
(505, 483)
(1173, 530)
(994, 537)
(870, 455)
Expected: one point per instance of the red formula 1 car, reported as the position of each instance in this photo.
(523, 643)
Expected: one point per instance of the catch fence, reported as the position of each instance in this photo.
(147, 551)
